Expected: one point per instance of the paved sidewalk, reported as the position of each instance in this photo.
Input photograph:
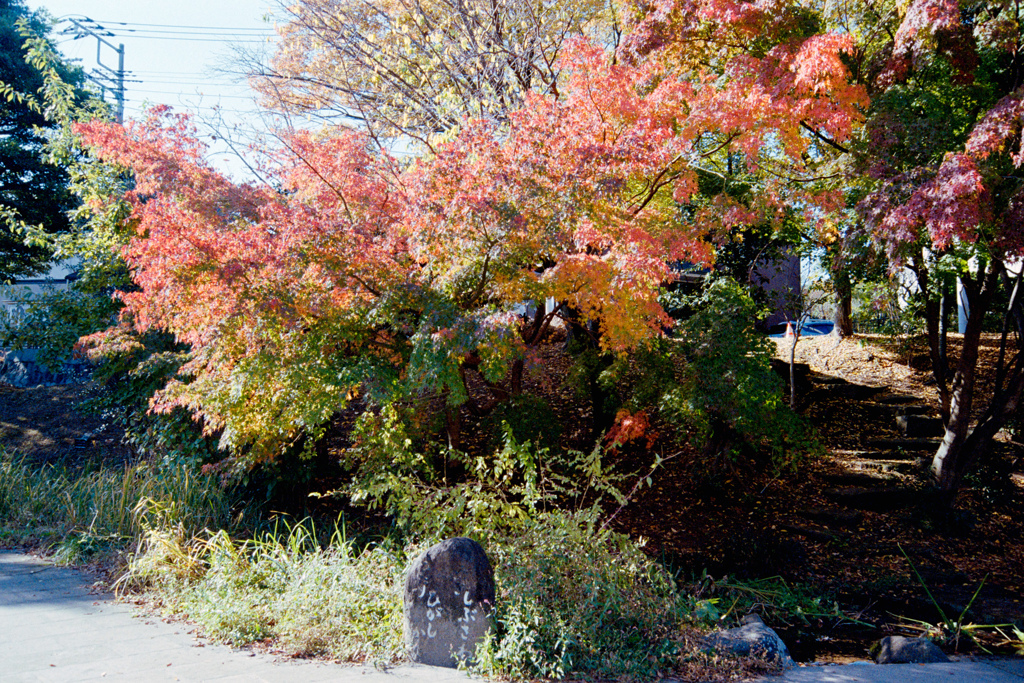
(988, 671)
(53, 629)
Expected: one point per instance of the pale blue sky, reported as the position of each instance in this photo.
(175, 52)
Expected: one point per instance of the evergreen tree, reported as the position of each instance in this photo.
(32, 192)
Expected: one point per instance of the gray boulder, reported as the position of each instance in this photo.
(754, 639)
(449, 595)
(900, 650)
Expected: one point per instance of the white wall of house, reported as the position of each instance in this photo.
(56, 276)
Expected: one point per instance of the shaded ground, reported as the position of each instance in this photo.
(840, 524)
(46, 424)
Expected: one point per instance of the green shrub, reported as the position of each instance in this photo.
(527, 418)
(727, 393)
(574, 598)
(713, 381)
(53, 321)
(578, 600)
(133, 368)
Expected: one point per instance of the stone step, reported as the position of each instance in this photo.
(886, 409)
(919, 426)
(897, 399)
(808, 532)
(905, 444)
(874, 498)
(801, 371)
(863, 478)
(882, 466)
(828, 379)
(886, 455)
(855, 392)
(833, 516)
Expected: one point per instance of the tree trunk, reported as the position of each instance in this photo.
(932, 316)
(946, 303)
(844, 305)
(583, 337)
(792, 368)
(453, 427)
(953, 464)
(960, 446)
(1006, 400)
(516, 381)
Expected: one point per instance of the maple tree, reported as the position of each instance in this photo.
(945, 194)
(351, 274)
(418, 68)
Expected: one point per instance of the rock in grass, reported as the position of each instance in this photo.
(900, 650)
(752, 639)
(449, 594)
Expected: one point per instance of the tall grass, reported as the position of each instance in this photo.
(76, 512)
(312, 598)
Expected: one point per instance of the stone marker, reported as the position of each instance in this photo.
(449, 594)
(900, 650)
(755, 639)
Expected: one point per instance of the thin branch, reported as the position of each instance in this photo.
(824, 138)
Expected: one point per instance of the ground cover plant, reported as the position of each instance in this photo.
(330, 596)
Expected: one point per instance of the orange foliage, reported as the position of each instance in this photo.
(292, 296)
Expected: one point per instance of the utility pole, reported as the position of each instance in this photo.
(106, 77)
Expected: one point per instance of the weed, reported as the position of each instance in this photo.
(774, 598)
(1015, 641)
(949, 631)
(314, 600)
(575, 599)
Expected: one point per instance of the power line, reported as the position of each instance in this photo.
(156, 34)
(172, 32)
(171, 92)
(105, 74)
(139, 109)
(186, 79)
(230, 88)
(199, 40)
(169, 73)
(198, 28)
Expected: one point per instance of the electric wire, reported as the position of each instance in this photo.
(185, 26)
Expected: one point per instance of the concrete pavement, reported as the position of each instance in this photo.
(53, 628)
(988, 671)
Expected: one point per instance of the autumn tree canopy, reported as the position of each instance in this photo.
(419, 68)
(352, 274)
